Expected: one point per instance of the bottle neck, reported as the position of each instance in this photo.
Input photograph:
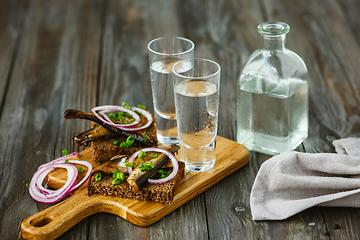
(273, 43)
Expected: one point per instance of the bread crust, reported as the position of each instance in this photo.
(160, 193)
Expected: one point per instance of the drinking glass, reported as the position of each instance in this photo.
(163, 53)
(196, 93)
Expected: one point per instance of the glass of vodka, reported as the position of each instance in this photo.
(197, 105)
(163, 53)
(272, 95)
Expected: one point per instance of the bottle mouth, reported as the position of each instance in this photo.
(273, 28)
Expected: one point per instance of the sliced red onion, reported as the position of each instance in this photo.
(125, 127)
(45, 169)
(170, 155)
(87, 175)
(55, 195)
(113, 108)
(59, 160)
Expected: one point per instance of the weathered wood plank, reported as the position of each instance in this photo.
(125, 76)
(55, 69)
(11, 19)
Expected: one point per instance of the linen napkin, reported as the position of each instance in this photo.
(292, 181)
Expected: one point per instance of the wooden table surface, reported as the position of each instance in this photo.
(62, 54)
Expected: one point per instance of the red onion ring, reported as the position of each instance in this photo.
(125, 127)
(48, 167)
(112, 108)
(59, 159)
(58, 194)
(170, 155)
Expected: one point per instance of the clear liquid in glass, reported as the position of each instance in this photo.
(272, 118)
(197, 109)
(163, 97)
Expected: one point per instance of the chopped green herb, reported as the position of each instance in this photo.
(98, 177)
(161, 171)
(141, 106)
(126, 104)
(164, 175)
(144, 137)
(99, 163)
(143, 169)
(115, 173)
(154, 156)
(112, 115)
(115, 182)
(142, 154)
(149, 165)
(65, 152)
(121, 176)
(140, 114)
(141, 165)
(123, 145)
(80, 169)
(116, 142)
(120, 115)
(66, 160)
(130, 140)
(129, 164)
(27, 185)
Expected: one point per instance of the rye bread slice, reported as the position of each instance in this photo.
(104, 149)
(160, 193)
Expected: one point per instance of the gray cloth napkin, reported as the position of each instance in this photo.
(292, 181)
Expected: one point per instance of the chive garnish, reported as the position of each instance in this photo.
(144, 137)
(116, 142)
(164, 175)
(143, 169)
(141, 165)
(154, 156)
(129, 164)
(123, 145)
(65, 152)
(121, 176)
(141, 106)
(115, 173)
(130, 140)
(126, 104)
(115, 181)
(161, 171)
(149, 165)
(98, 177)
(66, 160)
(80, 169)
(99, 163)
(27, 185)
(120, 115)
(142, 154)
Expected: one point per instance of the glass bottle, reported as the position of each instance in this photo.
(272, 95)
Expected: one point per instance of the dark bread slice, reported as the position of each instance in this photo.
(160, 193)
(105, 149)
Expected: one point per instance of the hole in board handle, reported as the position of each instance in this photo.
(41, 221)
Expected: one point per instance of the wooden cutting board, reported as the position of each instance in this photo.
(54, 221)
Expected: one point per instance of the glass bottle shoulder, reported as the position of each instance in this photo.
(276, 73)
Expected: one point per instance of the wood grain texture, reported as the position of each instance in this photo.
(55, 65)
(11, 20)
(64, 54)
(54, 221)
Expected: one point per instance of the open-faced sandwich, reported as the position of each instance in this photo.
(149, 174)
(116, 130)
(124, 145)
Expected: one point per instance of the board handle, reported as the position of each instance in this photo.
(54, 221)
